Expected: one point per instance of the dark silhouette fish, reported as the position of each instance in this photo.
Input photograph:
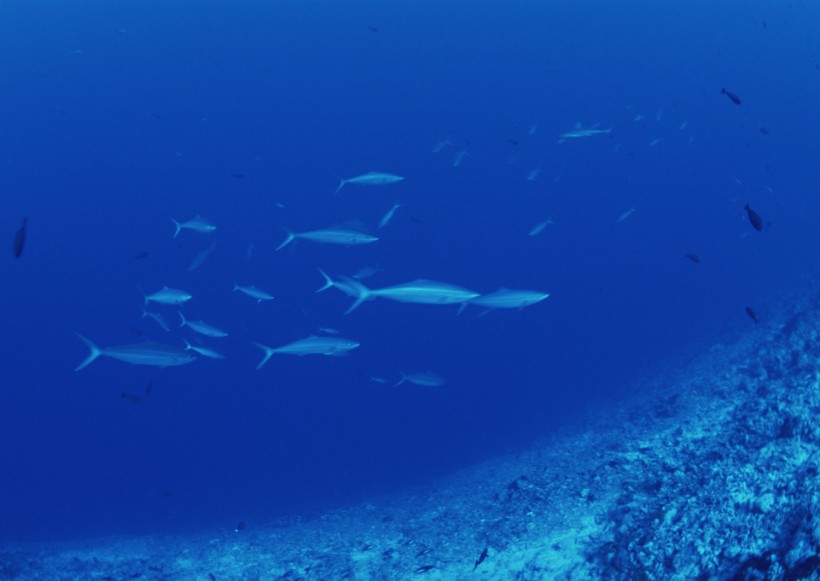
(693, 257)
(20, 239)
(752, 315)
(141, 255)
(481, 558)
(131, 397)
(754, 218)
(372, 29)
(734, 98)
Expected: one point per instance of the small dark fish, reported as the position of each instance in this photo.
(765, 25)
(239, 176)
(481, 558)
(512, 142)
(131, 397)
(735, 99)
(20, 239)
(240, 526)
(424, 568)
(752, 315)
(754, 218)
(141, 255)
(149, 388)
(165, 493)
(763, 130)
(156, 115)
(424, 551)
(372, 29)
(693, 257)
(136, 331)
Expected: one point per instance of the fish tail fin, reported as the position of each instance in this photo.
(179, 227)
(288, 240)
(94, 353)
(359, 291)
(183, 320)
(188, 346)
(402, 380)
(329, 282)
(144, 296)
(341, 185)
(268, 352)
(461, 308)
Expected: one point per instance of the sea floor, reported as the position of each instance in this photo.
(705, 471)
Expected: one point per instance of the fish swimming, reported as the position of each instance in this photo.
(388, 216)
(579, 132)
(505, 298)
(426, 379)
(168, 296)
(421, 291)
(204, 351)
(201, 327)
(253, 292)
(371, 178)
(160, 320)
(732, 97)
(751, 313)
(625, 215)
(312, 345)
(344, 236)
(197, 224)
(538, 228)
(693, 257)
(20, 239)
(148, 353)
(200, 258)
(754, 218)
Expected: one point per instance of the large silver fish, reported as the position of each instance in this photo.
(197, 224)
(344, 236)
(371, 178)
(201, 327)
(422, 291)
(148, 353)
(313, 345)
(168, 296)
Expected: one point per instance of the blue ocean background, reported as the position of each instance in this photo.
(118, 116)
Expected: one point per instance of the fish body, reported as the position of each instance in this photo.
(168, 296)
(732, 97)
(579, 132)
(533, 175)
(481, 558)
(20, 239)
(160, 320)
(253, 292)
(754, 218)
(505, 298)
(197, 224)
(148, 353)
(625, 215)
(312, 345)
(200, 258)
(693, 257)
(538, 228)
(388, 216)
(371, 178)
(751, 313)
(204, 351)
(425, 379)
(344, 236)
(441, 145)
(201, 327)
(421, 291)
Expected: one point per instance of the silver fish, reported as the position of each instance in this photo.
(204, 351)
(579, 132)
(168, 296)
(197, 224)
(388, 216)
(201, 327)
(426, 379)
(253, 292)
(371, 178)
(160, 320)
(200, 258)
(312, 345)
(155, 354)
(538, 228)
(343, 236)
(421, 291)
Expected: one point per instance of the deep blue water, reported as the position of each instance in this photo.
(117, 116)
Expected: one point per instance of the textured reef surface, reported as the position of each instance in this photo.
(707, 469)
